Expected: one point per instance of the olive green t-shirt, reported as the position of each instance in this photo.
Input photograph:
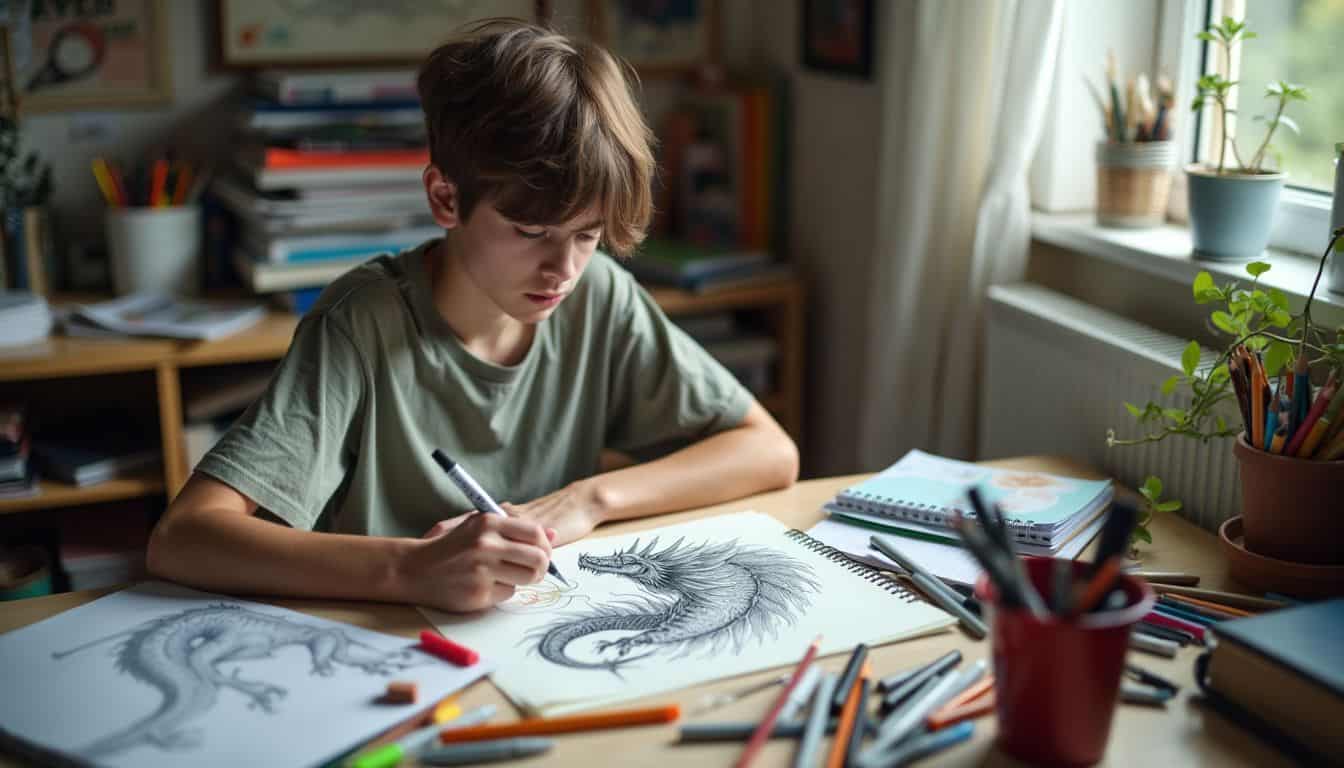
(375, 380)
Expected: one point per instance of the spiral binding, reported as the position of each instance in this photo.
(867, 572)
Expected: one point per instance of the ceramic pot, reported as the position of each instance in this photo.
(1231, 214)
(1290, 507)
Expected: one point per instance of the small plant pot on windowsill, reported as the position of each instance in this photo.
(1231, 213)
(1290, 507)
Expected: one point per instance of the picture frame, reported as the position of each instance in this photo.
(77, 56)
(316, 34)
(659, 39)
(837, 36)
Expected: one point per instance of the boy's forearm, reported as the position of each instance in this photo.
(729, 465)
(244, 554)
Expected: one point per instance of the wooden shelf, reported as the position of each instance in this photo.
(267, 340)
(59, 356)
(676, 301)
(54, 494)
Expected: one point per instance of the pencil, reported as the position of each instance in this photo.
(182, 185)
(978, 707)
(158, 178)
(1300, 439)
(762, 733)
(848, 716)
(1099, 586)
(1258, 387)
(541, 725)
(104, 180)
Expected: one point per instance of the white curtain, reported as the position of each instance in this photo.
(961, 123)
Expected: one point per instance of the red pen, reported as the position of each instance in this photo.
(441, 646)
(1173, 623)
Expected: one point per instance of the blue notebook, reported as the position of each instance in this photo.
(927, 489)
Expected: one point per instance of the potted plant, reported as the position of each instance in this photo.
(1290, 449)
(1232, 206)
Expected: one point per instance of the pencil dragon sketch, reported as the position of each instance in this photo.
(705, 596)
(180, 653)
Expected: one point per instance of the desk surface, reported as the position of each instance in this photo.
(1181, 734)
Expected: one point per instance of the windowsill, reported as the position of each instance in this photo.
(1165, 251)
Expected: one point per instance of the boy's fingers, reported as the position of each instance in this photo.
(524, 556)
(516, 575)
(500, 592)
(444, 526)
(525, 531)
(551, 534)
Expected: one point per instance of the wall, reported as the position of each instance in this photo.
(836, 137)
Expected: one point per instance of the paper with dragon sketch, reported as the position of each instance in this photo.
(162, 675)
(676, 606)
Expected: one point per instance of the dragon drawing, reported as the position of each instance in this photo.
(180, 654)
(697, 597)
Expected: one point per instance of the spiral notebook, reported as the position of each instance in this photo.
(1041, 509)
(664, 609)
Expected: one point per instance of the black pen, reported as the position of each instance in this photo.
(477, 495)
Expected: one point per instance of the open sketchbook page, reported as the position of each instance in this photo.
(162, 675)
(676, 606)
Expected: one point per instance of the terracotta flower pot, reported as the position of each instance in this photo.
(1292, 509)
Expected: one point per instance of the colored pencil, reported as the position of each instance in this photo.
(979, 707)
(542, 726)
(762, 733)
(1258, 386)
(1166, 577)
(1246, 602)
(158, 181)
(1209, 605)
(1163, 620)
(848, 716)
(1323, 398)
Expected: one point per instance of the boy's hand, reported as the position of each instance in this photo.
(572, 511)
(475, 561)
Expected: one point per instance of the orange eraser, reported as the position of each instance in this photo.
(400, 692)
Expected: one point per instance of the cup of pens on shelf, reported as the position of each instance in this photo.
(1059, 631)
(152, 226)
(1134, 162)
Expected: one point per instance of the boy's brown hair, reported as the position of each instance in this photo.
(542, 126)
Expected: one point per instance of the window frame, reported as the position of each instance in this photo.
(1302, 221)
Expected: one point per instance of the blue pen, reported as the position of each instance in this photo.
(1271, 423)
(1190, 616)
(923, 745)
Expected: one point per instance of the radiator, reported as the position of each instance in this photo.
(1057, 372)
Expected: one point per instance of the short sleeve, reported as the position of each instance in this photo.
(292, 449)
(667, 391)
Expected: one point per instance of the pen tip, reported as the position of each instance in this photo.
(443, 460)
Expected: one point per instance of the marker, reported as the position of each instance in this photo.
(817, 722)
(411, 744)
(892, 682)
(570, 724)
(444, 648)
(486, 751)
(923, 746)
(852, 667)
(801, 693)
(903, 722)
(478, 497)
(732, 730)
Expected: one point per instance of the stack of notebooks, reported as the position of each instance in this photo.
(16, 471)
(327, 176)
(915, 499)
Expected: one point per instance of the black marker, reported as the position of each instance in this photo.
(477, 495)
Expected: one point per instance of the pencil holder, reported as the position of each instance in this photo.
(1133, 182)
(156, 250)
(1056, 680)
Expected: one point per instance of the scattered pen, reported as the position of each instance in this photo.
(715, 700)
(478, 497)
(933, 587)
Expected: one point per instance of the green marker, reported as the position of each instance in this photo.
(390, 754)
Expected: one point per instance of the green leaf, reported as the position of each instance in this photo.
(1277, 355)
(1134, 410)
(1168, 506)
(1290, 123)
(1219, 375)
(1224, 322)
(1222, 424)
(1203, 282)
(1206, 37)
(1142, 534)
(1152, 487)
(1169, 385)
(1257, 268)
(1175, 414)
(1190, 358)
(1280, 318)
(1279, 298)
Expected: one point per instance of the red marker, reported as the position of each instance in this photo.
(441, 646)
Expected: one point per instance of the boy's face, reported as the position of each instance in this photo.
(525, 269)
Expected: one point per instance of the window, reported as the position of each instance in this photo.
(1299, 41)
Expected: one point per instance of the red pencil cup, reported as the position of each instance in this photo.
(1056, 680)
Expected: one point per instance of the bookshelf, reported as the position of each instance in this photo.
(777, 305)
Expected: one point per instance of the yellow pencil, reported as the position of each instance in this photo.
(1335, 450)
(1280, 437)
(104, 179)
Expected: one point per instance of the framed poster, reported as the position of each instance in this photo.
(321, 33)
(70, 56)
(838, 36)
(658, 37)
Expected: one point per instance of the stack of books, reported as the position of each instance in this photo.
(25, 318)
(328, 175)
(91, 458)
(916, 499)
(701, 268)
(16, 472)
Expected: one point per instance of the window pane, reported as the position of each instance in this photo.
(1300, 41)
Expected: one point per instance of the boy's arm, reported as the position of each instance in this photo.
(753, 457)
(211, 538)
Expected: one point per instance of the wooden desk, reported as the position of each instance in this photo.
(1180, 734)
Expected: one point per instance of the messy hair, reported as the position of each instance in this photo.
(540, 125)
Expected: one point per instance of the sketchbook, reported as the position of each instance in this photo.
(1040, 509)
(160, 675)
(669, 608)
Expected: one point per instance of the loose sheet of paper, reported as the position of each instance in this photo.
(676, 606)
(161, 675)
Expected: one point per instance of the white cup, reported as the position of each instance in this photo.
(155, 250)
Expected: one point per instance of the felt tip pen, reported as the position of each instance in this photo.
(477, 496)
(486, 751)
